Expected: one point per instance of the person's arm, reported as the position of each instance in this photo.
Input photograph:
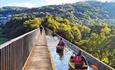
(58, 44)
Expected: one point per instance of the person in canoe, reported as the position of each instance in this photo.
(60, 48)
(77, 61)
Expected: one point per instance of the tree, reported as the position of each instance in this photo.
(93, 40)
(33, 23)
(105, 29)
(85, 30)
(54, 26)
(76, 33)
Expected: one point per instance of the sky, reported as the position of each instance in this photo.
(39, 3)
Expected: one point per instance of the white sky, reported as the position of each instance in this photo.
(38, 3)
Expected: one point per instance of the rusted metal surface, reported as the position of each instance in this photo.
(14, 53)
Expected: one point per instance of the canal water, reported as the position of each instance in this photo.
(60, 64)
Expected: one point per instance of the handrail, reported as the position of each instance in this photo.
(14, 53)
(17, 38)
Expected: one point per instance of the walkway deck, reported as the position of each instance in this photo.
(39, 59)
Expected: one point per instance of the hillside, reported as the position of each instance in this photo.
(88, 13)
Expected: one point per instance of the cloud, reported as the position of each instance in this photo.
(57, 2)
(38, 3)
(24, 4)
(106, 0)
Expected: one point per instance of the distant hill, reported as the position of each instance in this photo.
(88, 13)
(10, 10)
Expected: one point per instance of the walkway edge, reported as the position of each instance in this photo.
(50, 57)
(28, 58)
(51, 60)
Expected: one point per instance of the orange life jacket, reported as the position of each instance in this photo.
(94, 66)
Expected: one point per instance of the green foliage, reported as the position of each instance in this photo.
(96, 40)
(88, 13)
(105, 29)
(3, 39)
(99, 43)
(93, 40)
(33, 23)
(64, 27)
(68, 35)
(76, 33)
(20, 25)
(85, 30)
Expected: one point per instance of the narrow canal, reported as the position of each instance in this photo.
(60, 64)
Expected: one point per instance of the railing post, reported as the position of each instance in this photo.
(0, 60)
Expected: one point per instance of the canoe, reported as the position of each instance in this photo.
(60, 51)
(72, 65)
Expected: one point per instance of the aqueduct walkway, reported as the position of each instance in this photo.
(26, 52)
(39, 57)
(30, 52)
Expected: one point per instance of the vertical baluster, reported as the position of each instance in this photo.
(21, 57)
(0, 59)
(11, 57)
(22, 45)
(17, 46)
(8, 58)
(14, 55)
(3, 59)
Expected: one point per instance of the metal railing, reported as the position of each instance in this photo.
(91, 59)
(13, 54)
